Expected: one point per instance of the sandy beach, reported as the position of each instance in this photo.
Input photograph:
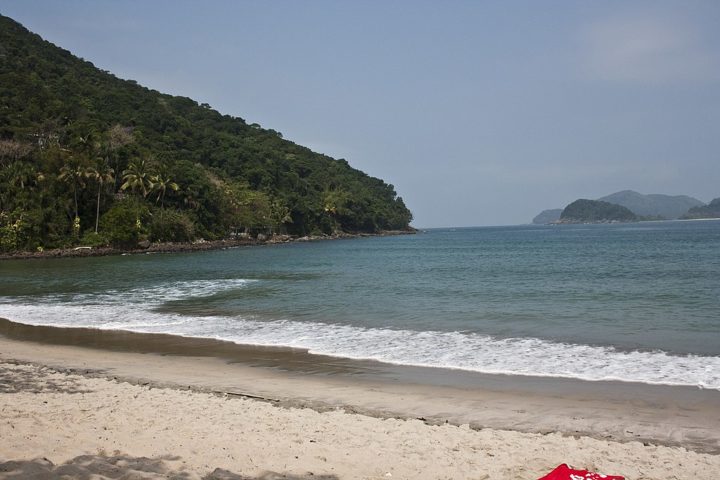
(267, 414)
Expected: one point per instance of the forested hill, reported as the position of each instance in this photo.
(75, 139)
(595, 211)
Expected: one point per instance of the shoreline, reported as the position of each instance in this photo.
(617, 411)
(58, 425)
(198, 246)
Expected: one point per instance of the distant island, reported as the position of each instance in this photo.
(91, 160)
(711, 210)
(547, 216)
(643, 207)
(595, 211)
(657, 206)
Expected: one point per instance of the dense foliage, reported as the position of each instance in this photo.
(711, 210)
(82, 151)
(596, 211)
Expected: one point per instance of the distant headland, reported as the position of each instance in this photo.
(630, 206)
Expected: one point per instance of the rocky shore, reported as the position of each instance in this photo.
(198, 245)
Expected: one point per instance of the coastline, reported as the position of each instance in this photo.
(610, 411)
(161, 406)
(198, 246)
(272, 413)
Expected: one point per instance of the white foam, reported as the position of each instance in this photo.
(156, 294)
(456, 350)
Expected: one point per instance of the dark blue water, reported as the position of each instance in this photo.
(635, 302)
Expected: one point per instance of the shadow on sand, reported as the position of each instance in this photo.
(19, 378)
(98, 467)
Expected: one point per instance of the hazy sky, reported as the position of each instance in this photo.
(480, 113)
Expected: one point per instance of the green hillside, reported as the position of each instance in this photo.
(80, 147)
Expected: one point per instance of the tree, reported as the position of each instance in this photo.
(160, 183)
(279, 214)
(23, 175)
(54, 106)
(73, 174)
(334, 204)
(123, 222)
(12, 151)
(117, 137)
(247, 208)
(18, 182)
(101, 174)
(136, 178)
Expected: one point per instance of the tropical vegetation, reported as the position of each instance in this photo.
(89, 158)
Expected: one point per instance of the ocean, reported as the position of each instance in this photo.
(629, 302)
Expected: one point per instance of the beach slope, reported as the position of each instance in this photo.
(83, 422)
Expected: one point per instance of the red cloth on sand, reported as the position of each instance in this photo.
(563, 472)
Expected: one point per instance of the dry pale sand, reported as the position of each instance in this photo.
(55, 423)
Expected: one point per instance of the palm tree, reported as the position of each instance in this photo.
(102, 174)
(160, 184)
(21, 178)
(88, 143)
(23, 175)
(137, 178)
(73, 174)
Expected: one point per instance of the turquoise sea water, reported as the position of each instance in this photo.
(633, 302)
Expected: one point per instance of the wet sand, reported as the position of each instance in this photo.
(623, 412)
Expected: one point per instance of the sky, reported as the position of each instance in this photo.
(479, 113)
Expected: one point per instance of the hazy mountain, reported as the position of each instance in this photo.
(653, 205)
(711, 210)
(547, 216)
